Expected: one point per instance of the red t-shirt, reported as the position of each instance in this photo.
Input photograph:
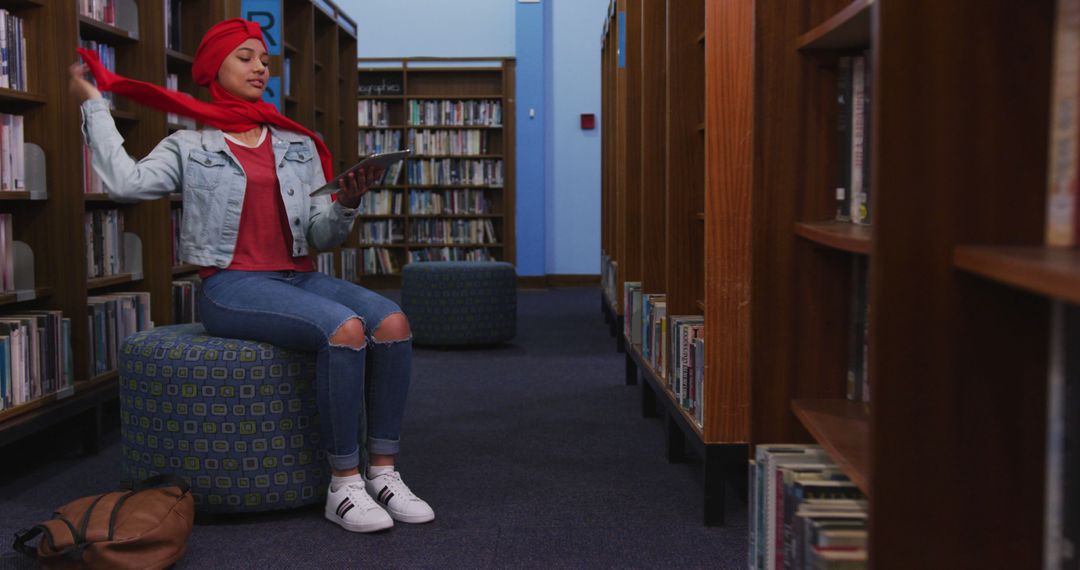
(264, 241)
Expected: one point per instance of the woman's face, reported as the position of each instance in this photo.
(244, 71)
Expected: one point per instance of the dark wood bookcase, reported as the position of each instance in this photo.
(53, 227)
(442, 79)
(675, 132)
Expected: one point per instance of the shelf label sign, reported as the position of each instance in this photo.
(266, 13)
(272, 94)
(622, 39)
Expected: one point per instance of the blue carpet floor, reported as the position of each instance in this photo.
(533, 455)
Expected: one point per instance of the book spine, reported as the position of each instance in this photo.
(843, 135)
(858, 117)
(1061, 214)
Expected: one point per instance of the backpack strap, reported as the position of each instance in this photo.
(26, 535)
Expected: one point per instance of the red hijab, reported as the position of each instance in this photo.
(226, 111)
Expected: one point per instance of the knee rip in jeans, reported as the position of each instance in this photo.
(393, 328)
(349, 334)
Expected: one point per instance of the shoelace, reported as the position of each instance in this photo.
(359, 496)
(397, 486)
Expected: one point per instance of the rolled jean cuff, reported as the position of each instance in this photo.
(383, 446)
(345, 462)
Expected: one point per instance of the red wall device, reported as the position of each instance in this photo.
(588, 121)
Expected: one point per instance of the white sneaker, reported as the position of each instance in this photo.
(352, 508)
(399, 501)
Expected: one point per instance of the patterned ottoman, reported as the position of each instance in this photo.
(236, 418)
(457, 303)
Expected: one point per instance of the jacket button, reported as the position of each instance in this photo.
(290, 191)
(296, 221)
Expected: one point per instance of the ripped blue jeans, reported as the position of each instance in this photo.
(358, 391)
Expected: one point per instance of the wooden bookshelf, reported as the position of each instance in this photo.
(672, 96)
(52, 121)
(958, 276)
(442, 79)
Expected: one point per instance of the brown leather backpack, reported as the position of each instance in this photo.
(145, 526)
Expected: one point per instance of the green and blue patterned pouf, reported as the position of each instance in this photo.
(460, 303)
(236, 418)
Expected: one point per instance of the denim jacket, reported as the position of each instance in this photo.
(213, 183)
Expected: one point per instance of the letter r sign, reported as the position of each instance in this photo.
(266, 13)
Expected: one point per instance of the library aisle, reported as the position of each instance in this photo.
(533, 455)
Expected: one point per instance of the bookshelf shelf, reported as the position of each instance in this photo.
(701, 38)
(453, 216)
(1053, 272)
(292, 100)
(451, 97)
(852, 238)
(91, 29)
(847, 29)
(841, 427)
(101, 197)
(176, 198)
(21, 4)
(186, 268)
(396, 245)
(22, 196)
(476, 156)
(455, 127)
(289, 48)
(33, 416)
(11, 98)
(179, 58)
(14, 297)
(95, 283)
(174, 127)
(700, 216)
(318, 65)
(381, 98)
(658, 384)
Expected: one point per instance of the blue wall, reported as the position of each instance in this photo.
(573, 160)
(442, 28)
(557, 47)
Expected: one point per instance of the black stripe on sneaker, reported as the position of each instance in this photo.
(382, 494)
(387, 500)
(347, 509)
(342, 505)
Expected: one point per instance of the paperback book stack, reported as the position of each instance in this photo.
(350, 266)
(101, 10)
(111, 319)
(381, 232)
(185, 306)
(380, 203)
(472, 113)
(853, 138)
(654, 332)
(459, 232)
(686, 366)
(450, 254)
(104, 231)
(804, 512)
(456, 171)
(430, 203)
(7, 254)
(12, 52)
(12, 153)
(443, 141)
(35, 356)
(392, 175)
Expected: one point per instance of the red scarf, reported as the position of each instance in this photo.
(227, 111)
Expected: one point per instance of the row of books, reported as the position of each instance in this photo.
(350, 264)
(7, 253)
(443, 141)
(92, 183)
(392, 175)
(858, 372)
(12, 52)
(1063, 177)
(456, 171)
(437, 202)
(381, 203)
(104, 233)
(379, 141)
(853, 139)
(379, 261)
(372, 113)
(35, 356)
(12, 153)
(100, 10)
(381, 232)
(107, 54)
(804, 512)
(111, 319)
(452, 232)
(487, 113)
(450, 254)
(185, 305)
(324, 263)
(172, 25)
(1062, 513)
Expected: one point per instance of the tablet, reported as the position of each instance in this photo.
(379, 160)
